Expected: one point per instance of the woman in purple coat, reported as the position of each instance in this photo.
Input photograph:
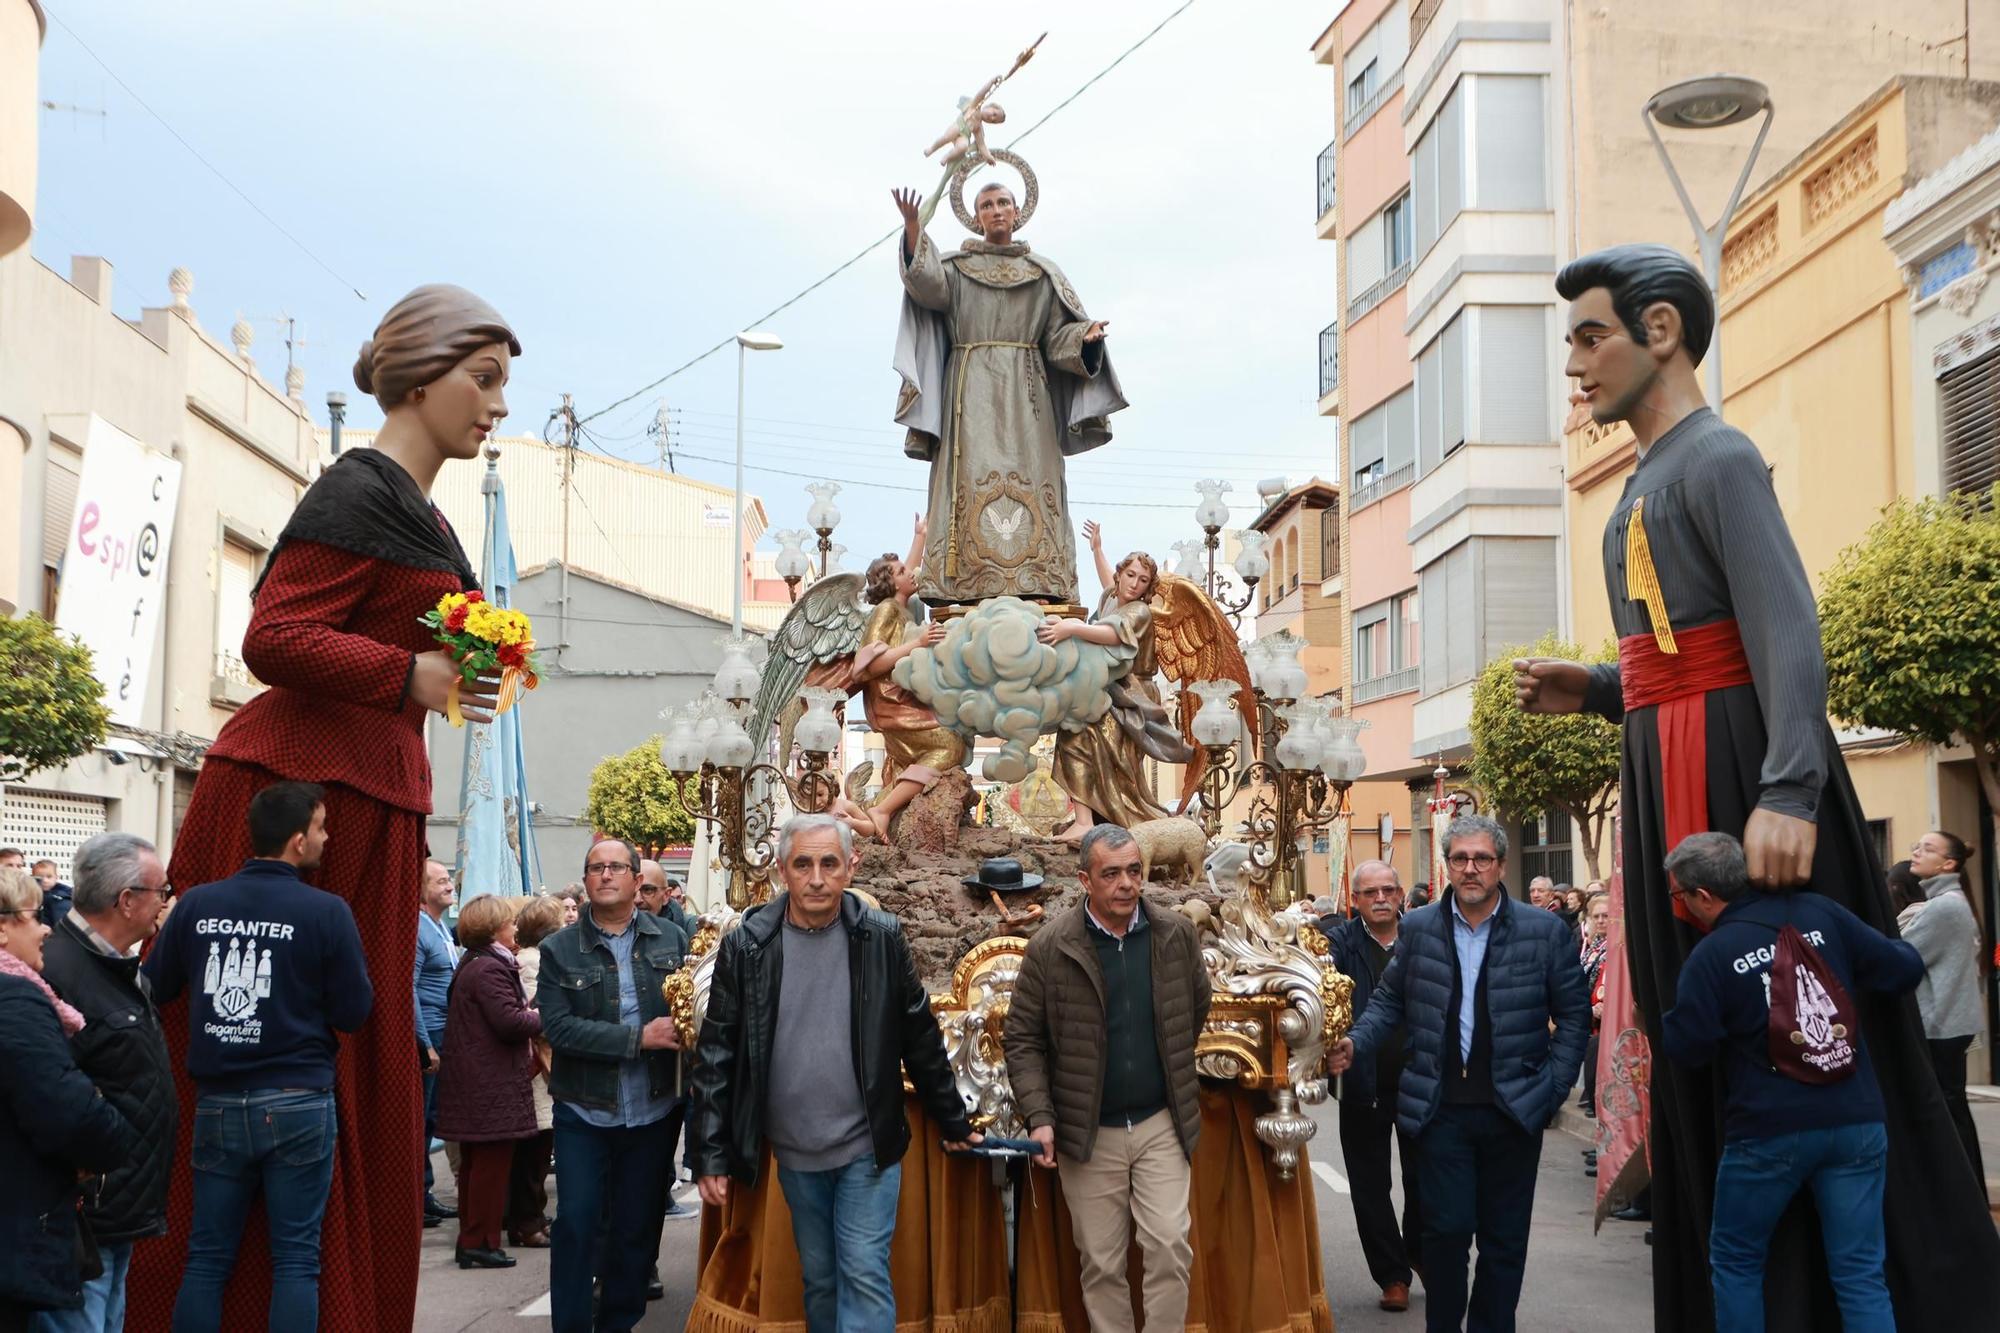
(485, 1103)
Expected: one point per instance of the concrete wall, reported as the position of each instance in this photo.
(630, 657)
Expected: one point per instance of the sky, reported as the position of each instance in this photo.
(630, 183)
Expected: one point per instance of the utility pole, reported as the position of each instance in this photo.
(661, 433)
(563, 420)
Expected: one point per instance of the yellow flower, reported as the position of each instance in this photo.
(496, 625)
(449, 603)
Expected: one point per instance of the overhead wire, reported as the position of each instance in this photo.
(865, 250)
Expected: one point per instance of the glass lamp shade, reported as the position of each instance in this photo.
(737, 677)
(823, 515)
(819, 731)
(1215, 722)
(1211, 512)
(1299, 748)
(1343, 759)
(1284, 675)
(1257, 656)
(1251, 562)
(792, 561)
(681, 750)
(1189, 562)
(732, 746)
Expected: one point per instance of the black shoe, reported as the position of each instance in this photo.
(1633, 1214)
(655, 1289)
(485, 1259)
(432, 1220)
(432, 1208)
(1649, 1235)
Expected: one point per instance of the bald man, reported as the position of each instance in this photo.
(1362, 946)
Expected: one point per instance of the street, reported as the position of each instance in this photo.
(1574, 1281)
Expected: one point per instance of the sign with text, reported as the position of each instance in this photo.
(114, 571)
(717, 515)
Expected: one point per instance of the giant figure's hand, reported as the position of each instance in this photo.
(1779, 849)
(430, 685)
(1549, 685)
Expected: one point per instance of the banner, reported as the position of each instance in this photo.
(114, 570)
(1624, 1063)
(496, 831)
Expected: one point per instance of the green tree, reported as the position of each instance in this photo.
(52, 707)
(1910, 616)
(1528, 764)
(632, 797)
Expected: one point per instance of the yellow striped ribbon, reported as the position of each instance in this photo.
(1642, 580)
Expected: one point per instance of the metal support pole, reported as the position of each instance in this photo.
(736, 541)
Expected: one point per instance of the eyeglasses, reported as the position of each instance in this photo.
(166, 891)
(607, 867)
(19, 911)
(1478, 862)
(1388, 891)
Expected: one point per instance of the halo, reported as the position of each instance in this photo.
(1029, 189)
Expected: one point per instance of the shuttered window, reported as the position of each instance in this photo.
(59, 487)
(232, 608)
(1437, 178)
(1402, 431)
(1513, 375)
(1430, 411)
(1367, 442)
(1364, 257)
(1517, 592)
(1329, 542)
(1509, 156)
(1971, 420)
(1449, 633)
(1451, 385)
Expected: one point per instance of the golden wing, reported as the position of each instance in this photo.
(1194, 640)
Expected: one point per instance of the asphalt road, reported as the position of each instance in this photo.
(1575, 1281)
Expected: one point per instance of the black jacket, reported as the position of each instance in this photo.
(577, 996)
(124, 1052)
(54, 1124)
(894, 1030)
(1349, 941)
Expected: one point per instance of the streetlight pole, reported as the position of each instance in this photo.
(1710, 103)
(746, 343)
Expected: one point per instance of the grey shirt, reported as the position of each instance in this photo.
(1723, 551)
(1947, 936)
(814, 1115)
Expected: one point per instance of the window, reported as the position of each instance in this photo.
(1448, 634)
(1545, 849)
(1329, 542)
(1510, 173)
(1514, 375)
(1367, 442)
(1441, 396)
(1407, 651)
(232, 610)
(1371, 650)
(60, 481)
(1396, 238)
(1401, 444)
(1437, 171)
(1878, 835)
(1969, 411)
(1360, 88)
(1366, 250)
(1485, 596)
(1292, 557)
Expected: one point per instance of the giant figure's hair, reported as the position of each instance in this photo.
(1641, 275)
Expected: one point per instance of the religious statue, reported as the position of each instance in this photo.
(1004, 376)
(966, 136)
(1721, 688)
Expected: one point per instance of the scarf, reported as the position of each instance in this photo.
(367, 505)
(71, 1020)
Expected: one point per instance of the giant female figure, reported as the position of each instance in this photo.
(334, 633)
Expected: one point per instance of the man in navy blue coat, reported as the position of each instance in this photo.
(1477, 981)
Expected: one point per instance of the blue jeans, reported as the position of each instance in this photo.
(436, 1039)
(103, 1309)
(614, 1182)
(1476, 1174)
(1844, 1167)
(278, 1143)
(842, 1223)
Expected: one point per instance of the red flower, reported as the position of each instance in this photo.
(512, 655)
(456, 620)
(475, 596)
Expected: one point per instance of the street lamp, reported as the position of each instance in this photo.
(752, 340)
(336, 416)
(1710, 103)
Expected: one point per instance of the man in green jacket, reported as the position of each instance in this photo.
(1100, 1045)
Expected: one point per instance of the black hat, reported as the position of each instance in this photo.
(1002, 874)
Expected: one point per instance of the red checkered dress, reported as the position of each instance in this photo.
(333, 634)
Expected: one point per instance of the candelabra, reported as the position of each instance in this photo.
(1297, 789)
(823, 516)
(719, 779)
(792, 563)
(1197, 559)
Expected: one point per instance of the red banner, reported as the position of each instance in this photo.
(1624, 1064)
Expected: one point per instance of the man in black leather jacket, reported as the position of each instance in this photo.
(815, 1011)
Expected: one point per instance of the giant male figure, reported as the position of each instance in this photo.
(1004, 376)
(1721, 685)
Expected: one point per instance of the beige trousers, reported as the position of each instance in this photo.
(1135, 1177)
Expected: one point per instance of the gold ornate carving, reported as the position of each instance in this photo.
(1852, 171)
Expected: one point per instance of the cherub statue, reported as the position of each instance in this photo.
(967, 135)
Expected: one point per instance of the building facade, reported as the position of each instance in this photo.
(1480, 144)
(246, 454)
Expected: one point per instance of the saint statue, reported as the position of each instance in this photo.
(1004, 376)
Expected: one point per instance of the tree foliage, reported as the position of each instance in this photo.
(1528, 764)
(51, 706)
(1910, 616)
(631, 797)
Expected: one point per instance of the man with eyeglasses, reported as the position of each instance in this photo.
(1363, 946)
(615, 1080)
(90, 961)
(1492, 997)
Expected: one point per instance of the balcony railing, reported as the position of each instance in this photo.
(1396, 682)
(1329, 359)
(1326, 179)
(1378, 292)
(1381, 486)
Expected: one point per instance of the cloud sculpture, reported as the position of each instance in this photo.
(992, 677)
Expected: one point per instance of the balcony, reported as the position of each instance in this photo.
(1367, 494)
(231, 685)
(1328, 159)
(1396, 682)
(1329, 369)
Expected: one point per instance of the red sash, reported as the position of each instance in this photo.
(1710, 658)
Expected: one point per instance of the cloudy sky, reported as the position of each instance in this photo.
(632, 182)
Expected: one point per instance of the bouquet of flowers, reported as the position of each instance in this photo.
(484, 638)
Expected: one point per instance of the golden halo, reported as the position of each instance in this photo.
(1030, 190)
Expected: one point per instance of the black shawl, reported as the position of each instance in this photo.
(367, 504)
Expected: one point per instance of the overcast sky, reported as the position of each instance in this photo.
(631, 182)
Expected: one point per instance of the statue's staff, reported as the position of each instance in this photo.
(967, 135)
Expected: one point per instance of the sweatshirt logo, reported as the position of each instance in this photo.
(234, 983)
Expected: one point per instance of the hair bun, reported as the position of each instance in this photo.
(364, 368)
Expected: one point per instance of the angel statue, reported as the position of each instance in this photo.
(966, 135)
(1102, 766)
(831, 638)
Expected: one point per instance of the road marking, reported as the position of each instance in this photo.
(538, 1308)
(1332, 1177)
